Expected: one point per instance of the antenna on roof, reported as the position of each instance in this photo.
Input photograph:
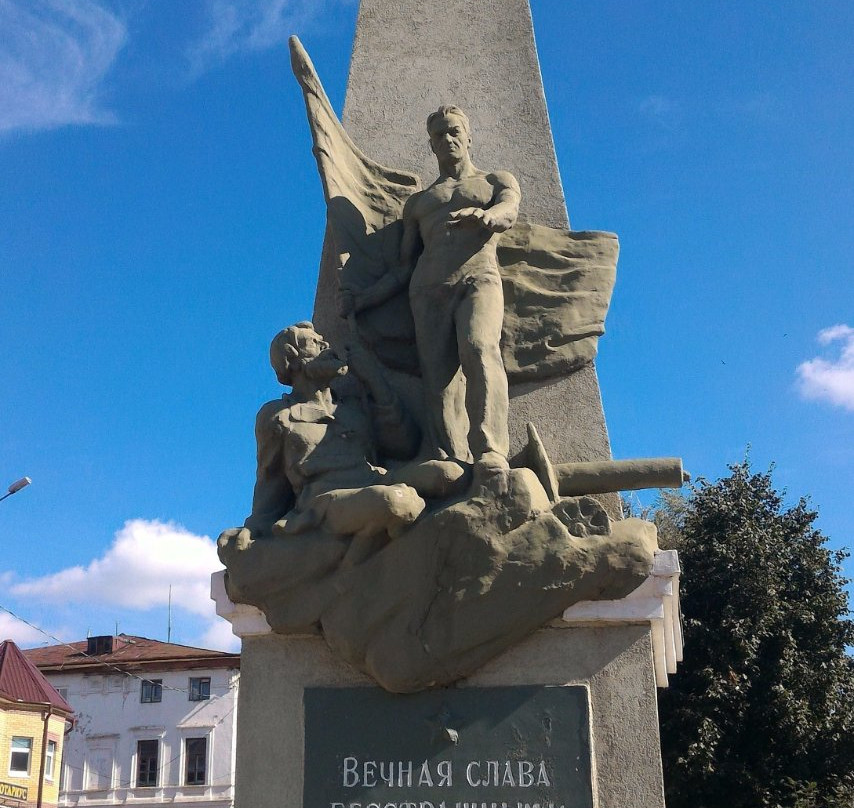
(169, 622)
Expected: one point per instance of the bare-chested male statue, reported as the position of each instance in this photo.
(451, 231)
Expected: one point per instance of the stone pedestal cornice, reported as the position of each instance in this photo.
(655, 602)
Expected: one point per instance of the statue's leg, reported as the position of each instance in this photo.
(433, 478)
(371, 516)
(479, 318)
(438, 357)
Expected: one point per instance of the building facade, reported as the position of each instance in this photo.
(33, 722)
(155, 722)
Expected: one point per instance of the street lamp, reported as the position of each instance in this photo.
(16, 486)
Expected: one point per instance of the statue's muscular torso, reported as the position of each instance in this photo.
(451, 249)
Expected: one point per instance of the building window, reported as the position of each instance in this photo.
(49, 759)
(197, 758)
(63, 691)
(19, 760)
(151, 691)
(200, 688)
(146, 763)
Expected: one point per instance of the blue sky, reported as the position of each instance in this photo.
(162, 219)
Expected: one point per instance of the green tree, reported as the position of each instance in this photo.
(761, 712)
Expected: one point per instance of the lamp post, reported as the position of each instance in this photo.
(16, 486)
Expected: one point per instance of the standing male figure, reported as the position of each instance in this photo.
(448, 256)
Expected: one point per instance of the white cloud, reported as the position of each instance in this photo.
(145, 558)
(831, 379)
(219, 637)
(54, 55)
(238, 26)
(835, 332)
(134, 574)
(20, 633)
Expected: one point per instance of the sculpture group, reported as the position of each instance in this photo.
(403, 531)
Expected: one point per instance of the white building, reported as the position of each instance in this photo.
(154, 722)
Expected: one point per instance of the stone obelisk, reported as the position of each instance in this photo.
(408, 58)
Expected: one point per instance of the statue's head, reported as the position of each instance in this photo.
(450, 132)
(299, 349)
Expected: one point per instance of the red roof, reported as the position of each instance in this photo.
(21, 681)
(129, 654)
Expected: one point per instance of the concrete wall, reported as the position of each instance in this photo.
(614, 662)
(111, 720)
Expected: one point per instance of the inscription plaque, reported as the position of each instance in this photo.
(499, 747)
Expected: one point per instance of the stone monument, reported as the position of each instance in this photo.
(435, 512)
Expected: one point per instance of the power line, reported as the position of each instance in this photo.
(95, 657)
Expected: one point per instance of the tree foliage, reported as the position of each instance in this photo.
(761, 712)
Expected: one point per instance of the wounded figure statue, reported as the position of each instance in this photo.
(314, 471)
